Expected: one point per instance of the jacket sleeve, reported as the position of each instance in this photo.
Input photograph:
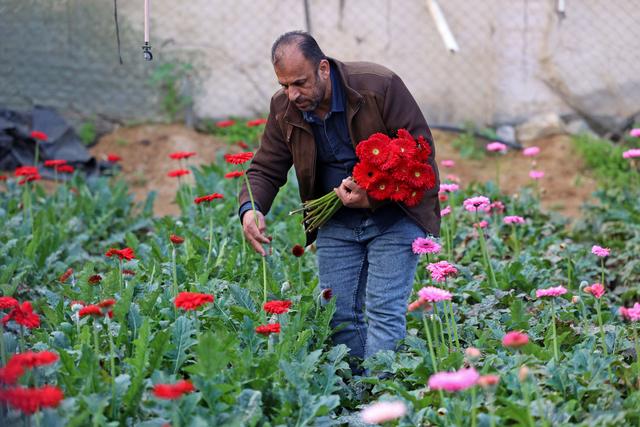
(268, 170)
(400, 111)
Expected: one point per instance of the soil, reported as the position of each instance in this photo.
(145, 151)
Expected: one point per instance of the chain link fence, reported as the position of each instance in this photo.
(489, 62)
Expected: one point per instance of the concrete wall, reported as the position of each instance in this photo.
(517, 58)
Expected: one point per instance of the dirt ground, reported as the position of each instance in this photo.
(145, 151)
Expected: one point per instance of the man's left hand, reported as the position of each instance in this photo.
(352, 195)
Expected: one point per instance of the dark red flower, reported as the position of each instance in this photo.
(29, 178)
(54, 162)
(30, 400)
(271, 328)
(40, 136)
(192, 300)
(242, 145)
(66, 275)
(173, 391)
(233, 174)
(238, 159)
(177, 240)
(178, 173)
(126, 253)
(297, 251)
(65, 169)
(3, 177)
(182, 155)
(128, 272)
(107, 303)
(33, 359)
(327, 293)
(95, 279)
(26, 171)
(113, 158)
(23, 315)
(7, 302)
(276, 307)
(225, 123)
(90, 310)
(208, 198)
(443, 197)
(256, 122)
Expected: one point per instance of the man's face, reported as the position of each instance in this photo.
(305, 85)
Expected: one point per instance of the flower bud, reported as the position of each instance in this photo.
(486, 381)
(575, 299)
(472, 353)
(285, 287)
(523, 373)
(442, 411)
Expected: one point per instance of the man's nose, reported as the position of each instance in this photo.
(293, 94)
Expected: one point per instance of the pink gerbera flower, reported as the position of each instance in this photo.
(478, 203)
(551, 292)
(441, 270)
(433, 294)
(597, 290)
(536, 174)
(446, 211)
(449, 188)
(531, 151)
(631, 154)
(513, 219)
(635, 132)
(448, 163)
(454, 381)
(600, 251)
(497, 147)
(381, 412)
(632, 314)
(515, 339)
(424, 245)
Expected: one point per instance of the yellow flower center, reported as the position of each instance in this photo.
(417, 174)
(382, 186)
(376, 151)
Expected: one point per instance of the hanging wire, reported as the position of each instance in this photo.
(115, 16)
(146, 48)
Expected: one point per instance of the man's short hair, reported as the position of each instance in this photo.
(304, 41)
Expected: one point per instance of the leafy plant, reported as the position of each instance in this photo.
(170, 79)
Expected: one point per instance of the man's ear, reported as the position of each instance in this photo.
(324, 69)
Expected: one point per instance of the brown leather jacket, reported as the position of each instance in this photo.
(376, 101)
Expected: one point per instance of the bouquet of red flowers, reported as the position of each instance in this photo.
(388, 169)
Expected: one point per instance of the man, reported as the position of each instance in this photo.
(324, 108)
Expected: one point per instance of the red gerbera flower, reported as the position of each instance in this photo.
(107, 303)
(113, 158)
(40, 136)
(177, 240)
(178, 173)
(10, 373)
(377, 149)
(406, 147)
(297, 251)
(65, 169)
(26, 171)
(234, 174)
(95, 279)
(413, 197)
(208, 198)
(192, 300)
(30, 400)
(225, 123)
(7, 302)
(66, 275)
(127, 272)
(256, 122)
(420, 176)
(425, 149)
(173, 391)
(365, 173)
(90, 310)
(238, 159)
(3, 177)
(271, 328)
(54, 162)
(400, 192)
(33, 359)
(182, 155)
(242, 145)
(23, 315)
(326, 293)
(381, 188)
(276, 307)
(126, 253)
(29, 178)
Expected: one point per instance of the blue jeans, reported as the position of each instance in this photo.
(369, 269)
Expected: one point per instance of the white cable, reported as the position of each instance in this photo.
(443, 28)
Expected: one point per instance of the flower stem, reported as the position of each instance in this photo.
(516, 243)
(487, 260)
(455, 326)
(174, 271)
(602, 271)
(635, 342)
(439, 326)
(430, 342)
(473, 407)
(553, 325)
(264, 261)
(113, 369)
(210, 239)
(527, 400)
(605, 351)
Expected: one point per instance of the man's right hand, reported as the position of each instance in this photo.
(255, 234)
